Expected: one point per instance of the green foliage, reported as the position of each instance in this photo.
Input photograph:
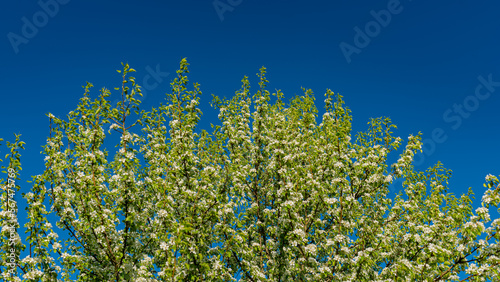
(268, 195)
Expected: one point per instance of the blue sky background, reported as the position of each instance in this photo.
(417, 68)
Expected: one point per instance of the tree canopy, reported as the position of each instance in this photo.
(268, 195)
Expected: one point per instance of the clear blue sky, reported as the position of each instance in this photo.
(431, 66)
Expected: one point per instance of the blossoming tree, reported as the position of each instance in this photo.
(270, 195)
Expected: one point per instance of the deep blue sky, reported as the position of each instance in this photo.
(418, 67)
